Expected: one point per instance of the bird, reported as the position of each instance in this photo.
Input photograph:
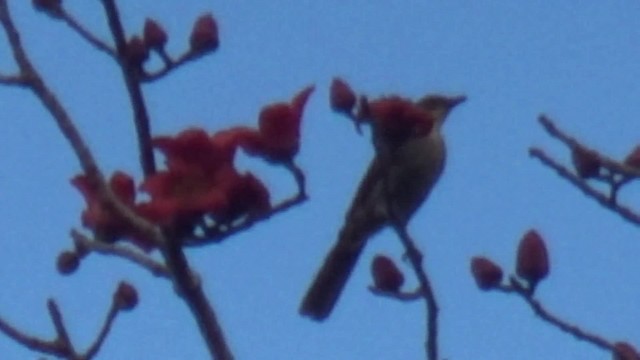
(405, 168)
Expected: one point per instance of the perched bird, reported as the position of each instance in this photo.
(409, 158)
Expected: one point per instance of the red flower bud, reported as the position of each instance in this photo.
(342, 98)
(126, 296)
(487, 274)
(533, 259)
(137, 51)
(204, 36)
(624, 351)
(633, 159)
(386, 275)
(67, 262)
(47, 5)
(586, 163)
(154, 35)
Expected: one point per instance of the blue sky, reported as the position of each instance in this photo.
(514, 60)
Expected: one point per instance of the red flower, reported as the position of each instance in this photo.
(201, 180)
(386, 275)
(102, 219)
(342, 97)
(487, 274)
(533, 258)
(194, 150)
(154, 35)
(204, 35)
(278, 135)
(181, 196)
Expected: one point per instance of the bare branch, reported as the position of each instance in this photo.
(132, 76)
(50, 101)
(104, 331)
(572, 143)
(13, 80)
(87, 35)
(554, 320)
(156, 268)
(31, 342)
(601, 198)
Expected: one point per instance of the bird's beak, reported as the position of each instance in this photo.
(457, 100)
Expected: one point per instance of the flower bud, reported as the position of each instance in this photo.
(136, 51)
(487, 274)
(204, 36)
(47, 5)
(533, 259)
(67, 262)
(386, 275)
(126, 296)
(154, 35)
(586, 163)
(624, 351)
(342, 97)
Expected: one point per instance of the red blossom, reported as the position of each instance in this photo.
(386, 275)
(201, 180)
(342, 97)
(102, 219)
(247, 195)
(194, 150)
(487, 274)
(533, 258)
(204, 35)
(181, 196)
(278, 137)
(154, 35)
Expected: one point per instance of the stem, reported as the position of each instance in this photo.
(131, 77)
(190, 290)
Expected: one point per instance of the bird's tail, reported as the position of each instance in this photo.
(334, 273)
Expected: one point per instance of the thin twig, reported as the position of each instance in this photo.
(601, 198)
(87, 35)
(13, 80)
(545, 315)
(50, 101)
(156, 268)
(104, 331)
(61, 331)
(417, 294)
(415, 258)
(613, 165)
(31, 342)
(131, 75)
(170, 65)
(190, 290)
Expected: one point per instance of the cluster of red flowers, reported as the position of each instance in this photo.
(200, 178)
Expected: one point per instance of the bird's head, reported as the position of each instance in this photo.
(439, 105)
